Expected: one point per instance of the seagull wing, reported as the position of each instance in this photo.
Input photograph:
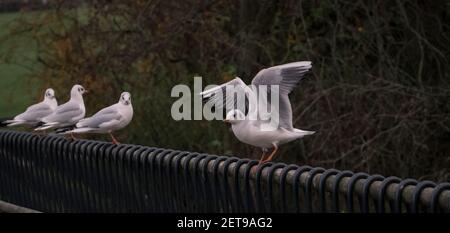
(35, 112)
(234, 94)
(42, 106)
(64, 113)
(101, 121)
(110, 109)
(287, 77)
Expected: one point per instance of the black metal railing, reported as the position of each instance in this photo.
(54, 174)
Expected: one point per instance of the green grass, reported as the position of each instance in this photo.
(15, 68)
(18, 61)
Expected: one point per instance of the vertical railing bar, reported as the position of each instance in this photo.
(225, 188)
(322, 188)
(216, 184)
(399, 192)
(381, 193)
(207, 184)
(351, 187)
(248, 190)
(296, 185)
(196, 184)
(260, 202)
(335, 193)
(270, 185)
(238, 205)
(435, 197)
(366, 192)
(308, 197)
(416, 195)
(283, 183)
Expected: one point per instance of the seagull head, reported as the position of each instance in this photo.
(49, 94)
(78, 90)
(125, 98)
(234, 116)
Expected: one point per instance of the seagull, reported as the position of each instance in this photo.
(109, 119)
(67, 114)
(251, 128)
(33, 114)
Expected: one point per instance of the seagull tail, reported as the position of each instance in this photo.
(64, 130)
(79, 130)
(45, 126)
(5, 121)
(304, 132)
(11, 123)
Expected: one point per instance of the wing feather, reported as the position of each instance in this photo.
(287, 77)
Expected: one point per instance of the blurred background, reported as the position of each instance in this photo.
(378, 95)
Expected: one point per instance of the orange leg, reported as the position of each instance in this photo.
(275, 149)
(263, 157)
(114, 141)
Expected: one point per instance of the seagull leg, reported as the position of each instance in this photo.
(261, 161)
(114, 141)
(73, 136)
(275, 149)
(263, 156)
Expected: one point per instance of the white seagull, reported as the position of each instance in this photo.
(66, 114)
(109, 119)
(250, 128)
(33, 114)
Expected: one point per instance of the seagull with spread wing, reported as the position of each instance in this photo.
(249, 128)
(66, 114)
(34, 114)
(109, 119)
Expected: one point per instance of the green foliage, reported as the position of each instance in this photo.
(17, 61)
(377, 96)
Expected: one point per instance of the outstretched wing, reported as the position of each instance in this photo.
(234, 94)
(286, 77)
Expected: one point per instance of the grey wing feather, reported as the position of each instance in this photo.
(110, 109)
(64, 113)
(287, 77)
(98, 120)
(35, 112)
(231, 95)
(39, 107)
(33, 115)
(63, 117)
(67, 107)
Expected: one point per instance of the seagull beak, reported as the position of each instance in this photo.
(226, 121)
(86, 91)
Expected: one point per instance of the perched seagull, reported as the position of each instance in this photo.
(109, 119)
(33, 115)
(67, 114)
(249, 128)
